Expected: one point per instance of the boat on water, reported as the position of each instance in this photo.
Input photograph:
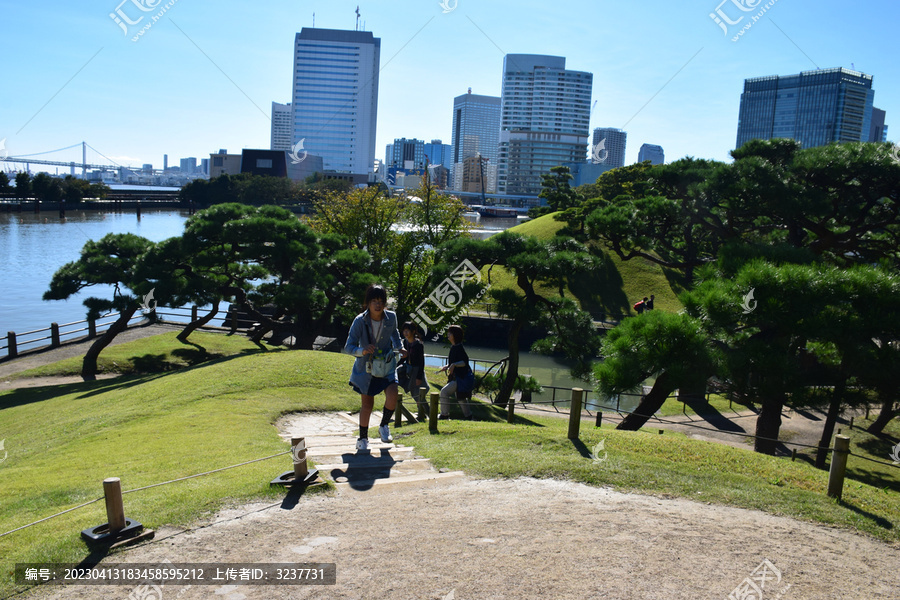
(507, 212)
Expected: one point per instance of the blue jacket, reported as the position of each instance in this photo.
(358, 339)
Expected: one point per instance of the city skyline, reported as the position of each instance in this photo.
(196, 81)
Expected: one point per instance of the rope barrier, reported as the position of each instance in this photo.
(147, 487)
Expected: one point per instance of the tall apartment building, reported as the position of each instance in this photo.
(335, 97)
(878, 130)
(653, 153)
(813, 107)
(544, 120)
(608, 147)
(280, 138)
(476, 130)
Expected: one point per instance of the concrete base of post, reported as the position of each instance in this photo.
(117, 528)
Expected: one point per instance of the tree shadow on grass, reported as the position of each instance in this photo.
(602, 293)
(876, 519)
(712, 416)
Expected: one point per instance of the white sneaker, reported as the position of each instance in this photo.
(362, 444)
(385, 433)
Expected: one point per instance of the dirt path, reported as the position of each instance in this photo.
(519, 540)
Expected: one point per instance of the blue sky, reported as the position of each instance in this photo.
(204, 75)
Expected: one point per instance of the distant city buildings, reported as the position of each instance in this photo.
(475, 130)
(608, 147)
(586, 172)
(653, 153)
(813, 107)
(274, 163)
(544, 120)
(335, 97)
(878, 131)
(280, 138)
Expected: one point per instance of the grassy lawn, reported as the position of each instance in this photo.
(63, 440)
(613, 290)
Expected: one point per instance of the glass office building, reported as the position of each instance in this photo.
(813, 107)
(544, 120)
(335, 97)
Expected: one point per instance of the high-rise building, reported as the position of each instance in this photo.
(281, 127)
(476, 130)
(439, 153)
(188, 165)
(544, 120)
(878, 131)
(407, 154)
(204, 166)
(335, 97)
(653, 153)
(608, 147)
(813, 107)
(388, 154)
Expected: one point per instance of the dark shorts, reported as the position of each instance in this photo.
(376, 386)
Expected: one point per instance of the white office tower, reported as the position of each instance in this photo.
(608, 147)
(545, 120)
(476, 130)
(335, 97)
(281, 127)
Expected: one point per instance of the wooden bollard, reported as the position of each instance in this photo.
(423, 405)
(793, 455)
(11, 346)
(599, 422)
(298, 452)
(115, 510)
(433, 416)
(838, 466)
(398, 414)
(54, 335)
(575, 413)
(511, 410)
(851, 422)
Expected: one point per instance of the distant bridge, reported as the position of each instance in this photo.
(84, 165)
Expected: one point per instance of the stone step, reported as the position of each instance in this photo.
(340, 456)
(428, 478)
(385, 464)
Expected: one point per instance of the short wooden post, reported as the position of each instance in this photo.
(838, 466)
(793, 455)
(851, 422)
(423, 405)
(12, 347)
(599, 422)
(54, 335)
(511, 410)
(433, 417)
(298, 452)
(92, 328)
(867, 411)
(115, 510)
(398, 414)
(193, 312)
(575, 413)
(661, 431)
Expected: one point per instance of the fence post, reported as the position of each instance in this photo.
(838, 466)
(193, 312)
(433, 417)
(301, 468)
(599, 422)
(115, 510)
(12, 349)
(54, 335)
(398, 414)
(511, 410)
(423, 404)
(575, 413)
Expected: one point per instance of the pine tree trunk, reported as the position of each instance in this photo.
(887, 413)
(768, 424)
(194, 325)
(89, 364)
(512, 367)
(834, 411)
(652, 402)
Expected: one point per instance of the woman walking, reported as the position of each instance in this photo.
(415, 363)
(373, 340)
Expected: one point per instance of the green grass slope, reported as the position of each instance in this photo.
(613, 290)
(64, 440)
